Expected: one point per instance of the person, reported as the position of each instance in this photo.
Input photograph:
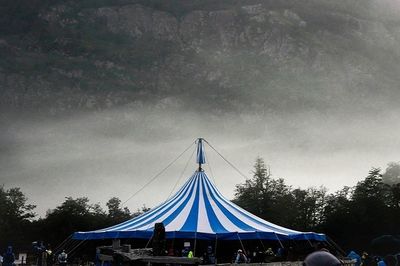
(321, 258)
(8, 257)
(63, 258)
(240, 257)
(209, 257)
(390, 260)
(49, 256)
(354, 256)
(40, 251)
(366, 259)
(269, 252)
(185, 252)
(280, 253)
(381, 262)
(258, 256)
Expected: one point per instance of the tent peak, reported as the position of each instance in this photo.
(201, 157)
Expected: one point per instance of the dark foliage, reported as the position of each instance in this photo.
(15, 216)
(353, 216)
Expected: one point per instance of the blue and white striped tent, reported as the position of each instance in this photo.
(199, 211)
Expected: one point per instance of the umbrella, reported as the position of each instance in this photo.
(385, 244)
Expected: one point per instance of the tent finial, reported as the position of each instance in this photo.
(201, 158)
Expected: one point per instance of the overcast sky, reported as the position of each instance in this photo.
(115, 152)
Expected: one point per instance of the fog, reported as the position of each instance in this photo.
(115, 152)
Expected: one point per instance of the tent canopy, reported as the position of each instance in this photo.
(198, 210)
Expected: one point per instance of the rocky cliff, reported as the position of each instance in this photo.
(200, 55)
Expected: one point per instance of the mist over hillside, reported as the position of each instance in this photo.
(216, 56)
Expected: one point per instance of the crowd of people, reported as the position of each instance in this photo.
(320, 257)
(366, 260)
(44, 256)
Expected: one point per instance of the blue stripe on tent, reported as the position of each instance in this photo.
(145, 215)
(216, 226)
(134, 223)
(237, 222)
(151, 222)
(191, 221)
(189, 228)
(176, 198)
(271, 227)
(298, 236)
(171, 217)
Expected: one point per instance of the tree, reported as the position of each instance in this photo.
(252, 195)
(71, 216)
(140, 211)
(392, 174)
(359, 214)
(307, 208)
(16, 215)
(115, 212)
(273, 200)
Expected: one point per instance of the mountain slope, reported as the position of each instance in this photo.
(202, 55)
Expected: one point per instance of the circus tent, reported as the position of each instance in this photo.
(199, 211)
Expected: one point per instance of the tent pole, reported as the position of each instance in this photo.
(195, 242)
(173, 245)
(215, 248)
(280, 243)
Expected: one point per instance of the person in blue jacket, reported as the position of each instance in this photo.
(354, 256)
(8, 257)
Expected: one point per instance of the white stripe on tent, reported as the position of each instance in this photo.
(248, 220)
(203, 223)
(225, 222)
(171, 210)
(179, 221)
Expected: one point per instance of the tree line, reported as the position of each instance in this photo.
(19, 227)
(352, 216)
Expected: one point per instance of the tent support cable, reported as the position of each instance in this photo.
(334, 245)
(309, 242)
(70, 245)
(262, 244)
(180, 177)
(59, 247)
(157, 175)
(228, 162)
(209, 167)
(241, 244)
(74, 248)
(148, 242)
